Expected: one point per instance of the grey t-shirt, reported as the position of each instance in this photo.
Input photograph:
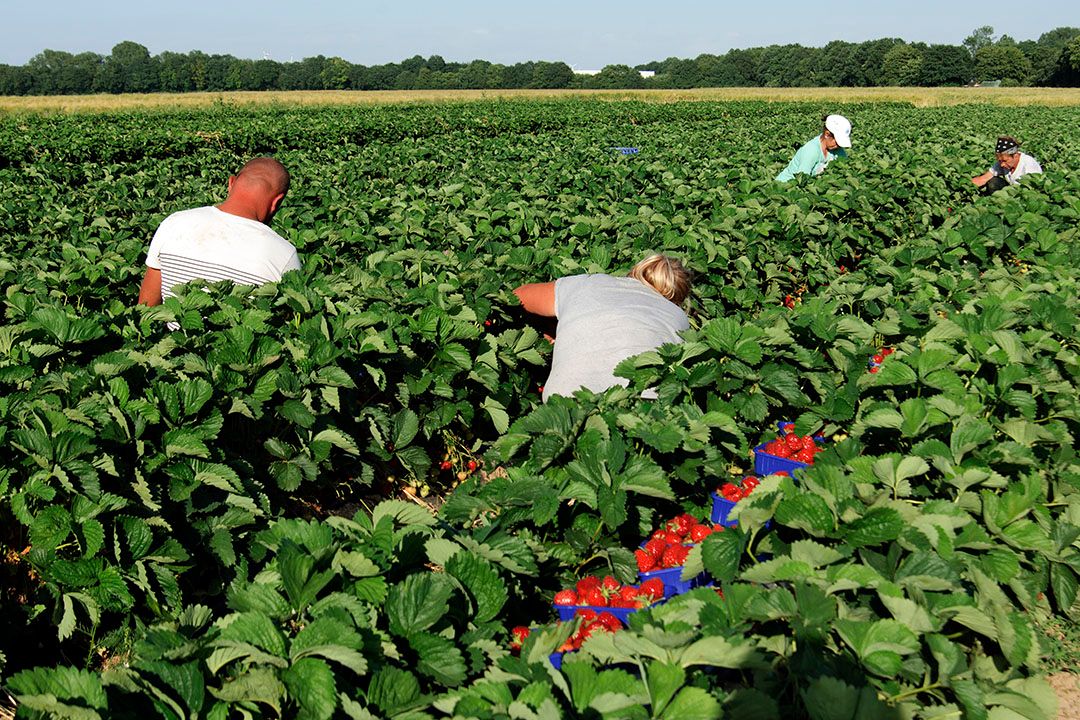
(602, 321)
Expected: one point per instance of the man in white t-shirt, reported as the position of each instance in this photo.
(1009, 166)
(230, 241)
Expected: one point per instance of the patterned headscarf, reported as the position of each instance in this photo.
(1007, 146)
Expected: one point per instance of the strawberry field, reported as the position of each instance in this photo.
(338, 496)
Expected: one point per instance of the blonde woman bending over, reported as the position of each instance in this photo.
(602, 320)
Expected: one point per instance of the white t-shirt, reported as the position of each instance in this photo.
(1026, 166)
(602, 321)
(209, 244)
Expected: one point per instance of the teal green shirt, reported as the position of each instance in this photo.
(809, 160)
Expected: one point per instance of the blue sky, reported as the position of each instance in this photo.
(585, 34)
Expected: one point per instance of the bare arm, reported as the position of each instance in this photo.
(981, 180)
(537, 298)
(150, 290)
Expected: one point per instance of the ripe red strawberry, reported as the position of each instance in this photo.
(789, 427)
(663, 536)
(685, 522)
(586, 614)
(750, 482)
(655, 547)
(646, 561)
(653, 588)
(729, 489)
(586, 583)
(804, 456)
(609, 622)
(471, 465)
(585, 633)
(445, 465)
(517, 636)
(594, 597)
(808, 443)
(785, 473)
(781, 450)
(789, 302)
(873, 370)
(609, 583)
(793, 441)
(675, 556)
(540, 389)
(700, 532)
(629, 592)
(887, 351)
(566, 597)
(879, 358)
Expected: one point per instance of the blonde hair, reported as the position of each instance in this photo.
(665, 275)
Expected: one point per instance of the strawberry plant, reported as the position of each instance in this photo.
(335, 496)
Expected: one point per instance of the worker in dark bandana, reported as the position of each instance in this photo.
(1009, 166)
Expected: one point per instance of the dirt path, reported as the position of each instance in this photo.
(1067, 687)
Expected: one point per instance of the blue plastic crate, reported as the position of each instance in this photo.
(766, 464)
(556, 660)
(567, 612)
(626, 150)
(721, 508)
(673, 585)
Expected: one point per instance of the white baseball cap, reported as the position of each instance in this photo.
(840, 127)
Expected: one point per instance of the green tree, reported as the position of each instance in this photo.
(746, 65)
(978, 39)
(946, 65)
(1002, 62)
(902, 65)
(129, 68)
(1060, 72)
(788, 66)
(1058, 37)
(551, 75)
(870, 56)
(838, 65)
(174, 72)
(1067, 72)
(1043, 59)
(14, 80)
(55, 72)
(616, 77)
(334, 74)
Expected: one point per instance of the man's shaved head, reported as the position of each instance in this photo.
(264, 174)
(257, 190)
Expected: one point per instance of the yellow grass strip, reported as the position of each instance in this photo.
(920, 97)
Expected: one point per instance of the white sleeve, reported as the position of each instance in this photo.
(293, 263)
(565, 289)
(153, 255)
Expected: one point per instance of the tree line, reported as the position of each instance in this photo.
(1052, 60)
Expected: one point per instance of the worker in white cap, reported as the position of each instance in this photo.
(1009, 166)
(818, 152)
